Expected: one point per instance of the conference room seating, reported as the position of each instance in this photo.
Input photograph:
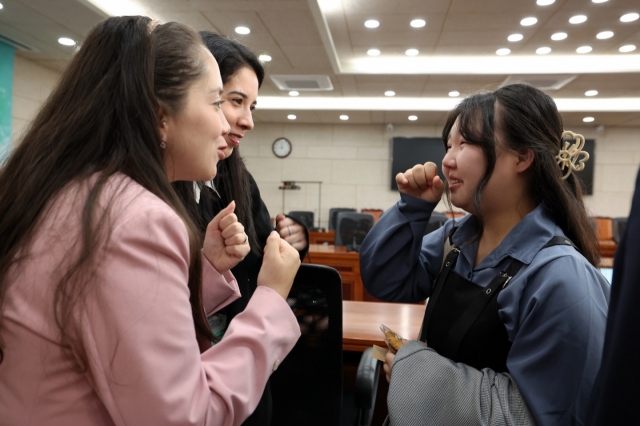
(307, 387)
(619, 225)
(436, 220)
(604, 232)
(351, 228)
(304, 217)
(376, 213)
(333, 215)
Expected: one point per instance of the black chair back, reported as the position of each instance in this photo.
(333, 215)
(304, 217)
(307, 386)
(619, 226)
(436, 221)
(351, 228)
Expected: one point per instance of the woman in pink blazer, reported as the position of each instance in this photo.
(105, 285)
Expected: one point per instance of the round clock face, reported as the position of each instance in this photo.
(281, 147)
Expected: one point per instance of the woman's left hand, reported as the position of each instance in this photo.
(388, 362)
(225, 243)
(292, 232)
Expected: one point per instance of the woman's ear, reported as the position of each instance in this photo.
(525, 159)
(163, 126)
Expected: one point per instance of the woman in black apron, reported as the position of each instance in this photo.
(514, 326)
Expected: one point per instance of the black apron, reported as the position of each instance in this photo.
(461, 321)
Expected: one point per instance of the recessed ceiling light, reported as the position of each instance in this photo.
(389, 93)
(1, 6)
(543, 50)
(604, 35)
(629, 17)
(515, 37)
(527, 22)
(294, 93)
(411, 52)
(412, 117)
(291, 117)
(65, 41)
(627, 48)
(243, 30)
(264, 58)
(418, 23)
(454, 93)
(344, 117)
(588, 119)
(558, 36)
(503, 51)
(584, 49)
(373, 52)
(372, 23)
(591, 93)
(545, 2)
(578, 19)
(599, 1)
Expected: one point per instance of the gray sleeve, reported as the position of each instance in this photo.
(429, 389)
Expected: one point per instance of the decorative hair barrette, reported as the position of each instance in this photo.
(569, 155)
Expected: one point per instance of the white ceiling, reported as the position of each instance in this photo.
(457, 48)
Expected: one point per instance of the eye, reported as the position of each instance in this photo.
(253, 107)
(237, 101)
(218, 104)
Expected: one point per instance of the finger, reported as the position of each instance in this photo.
(228, 220)
(215, 222)
(430, 170)
(238, 251)
(401, 180)
(233, 229)
(420, 177)
(272, 248)
(236, 240)
(280, 218)
(438, 186)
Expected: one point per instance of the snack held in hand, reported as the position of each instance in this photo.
(393, 340)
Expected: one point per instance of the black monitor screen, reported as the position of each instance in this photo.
(407, 152)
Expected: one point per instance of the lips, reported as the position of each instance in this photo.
(234, 139)
(454, 183)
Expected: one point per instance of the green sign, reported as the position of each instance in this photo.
(6, 92)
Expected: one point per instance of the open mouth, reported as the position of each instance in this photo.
(234, 139)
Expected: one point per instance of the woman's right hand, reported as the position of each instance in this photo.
(421, 181)
(279, 265)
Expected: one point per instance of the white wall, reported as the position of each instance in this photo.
(353, 161)
(32, 83)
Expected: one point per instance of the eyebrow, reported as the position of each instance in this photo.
(241, 94)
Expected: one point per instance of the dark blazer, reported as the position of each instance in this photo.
(617, 388)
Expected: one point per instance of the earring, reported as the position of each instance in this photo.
(163, 144)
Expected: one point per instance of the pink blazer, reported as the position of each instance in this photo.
(136, 328)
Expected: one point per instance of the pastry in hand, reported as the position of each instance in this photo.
(394, 342)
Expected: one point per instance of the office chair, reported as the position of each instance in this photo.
(304, 217)
(351, 228)
(436, 220)
(307, 386)
(619, 226)
(333, 215)
(375, 212)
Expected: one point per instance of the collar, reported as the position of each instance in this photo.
(523, 242)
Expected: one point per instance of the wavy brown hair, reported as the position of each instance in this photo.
(101, 119)
(528, 119)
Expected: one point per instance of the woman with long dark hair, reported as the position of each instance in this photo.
(105, 280)
(514, 326)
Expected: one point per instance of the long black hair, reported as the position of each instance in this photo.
(526, 118)
(101, 119)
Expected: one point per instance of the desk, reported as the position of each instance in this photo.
(361, 322)
(318, 237)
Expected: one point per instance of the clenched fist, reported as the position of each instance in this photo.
(225, 243)
(421, 181)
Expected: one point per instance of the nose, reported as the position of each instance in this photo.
(246, 120)
(226, 128)
(449, 160)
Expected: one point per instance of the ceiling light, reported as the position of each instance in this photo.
(373, 52)
(344, 117)
(372, 23)
(294, 93)
(264, 58)
(65, 41)
(558, 36)
(629, 17)
(584, 49)
(543, 50)
(454, 93)
(527, 22)
(503, 51)
(515, 37)
(591, 93)
(291, 117)
(389, 93)
(604, 35)
(418, 23)
(578, 19)
(412, 52)
(545, 2)
(588, 119)
(243, 30)
(599, 1)
(627, 48)
(412, 117)
(1, 6)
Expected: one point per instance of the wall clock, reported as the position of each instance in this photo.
(281, 147)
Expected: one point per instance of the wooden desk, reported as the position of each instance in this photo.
(346, 263)
(317, 237)
(361, 322)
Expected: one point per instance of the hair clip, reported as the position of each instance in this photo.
(569, 155)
